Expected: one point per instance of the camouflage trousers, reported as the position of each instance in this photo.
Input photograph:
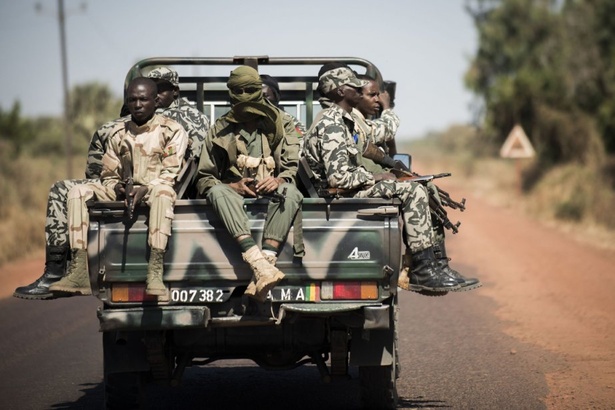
(228, 204)
(56, 224)
(438, 228)
(418, 229)
(161, 201)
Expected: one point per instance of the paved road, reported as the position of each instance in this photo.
(453, 355)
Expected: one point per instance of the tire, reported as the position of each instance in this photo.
(124, 390)
(378, 387)
(379, 383)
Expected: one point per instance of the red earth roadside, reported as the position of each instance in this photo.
(553, 289)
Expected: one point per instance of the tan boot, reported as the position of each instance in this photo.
(155, 268)
(266, 275)
(403, 281)
(251, 289)
(77, 280)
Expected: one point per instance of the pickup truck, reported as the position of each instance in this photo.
(336, 309)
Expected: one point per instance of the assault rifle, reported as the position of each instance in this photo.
(403, 173)
(127, 180)
(274, 196)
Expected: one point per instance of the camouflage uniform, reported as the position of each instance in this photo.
(194, 122)
(380, 132)
(56, 224)
(158, 148)
(218, 166)
(382, 129)
(331, 150)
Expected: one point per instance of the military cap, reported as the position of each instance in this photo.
(338, 77)
(165, 73)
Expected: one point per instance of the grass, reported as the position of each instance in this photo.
(24, 185)
(574, 198)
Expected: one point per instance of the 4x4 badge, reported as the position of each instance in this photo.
(357, 254)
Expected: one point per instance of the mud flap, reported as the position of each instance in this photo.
(372, 347)
(124, 352)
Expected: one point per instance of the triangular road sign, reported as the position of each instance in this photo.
(517, 145)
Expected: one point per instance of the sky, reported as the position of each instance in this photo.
(423, 45)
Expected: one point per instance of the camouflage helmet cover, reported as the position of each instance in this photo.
(165, 73)
(332, 79)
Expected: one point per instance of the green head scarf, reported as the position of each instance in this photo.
(248, 104)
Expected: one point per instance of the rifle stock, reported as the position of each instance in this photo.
(274, 196)
(127, 180)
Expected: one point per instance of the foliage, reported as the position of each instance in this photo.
(91, 105)
(32, 157)
(572, 192)
(15, 131)
(549, 66)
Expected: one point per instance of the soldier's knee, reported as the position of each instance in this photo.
(80, 191)
(218, 191)
(292, 192)
(163, 192)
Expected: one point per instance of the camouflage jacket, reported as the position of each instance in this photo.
(218, 162)
(383, 128)
(98, 147)
(298, 125)
(330, 147)
(365, 130)
(156, 149)
(194, 122)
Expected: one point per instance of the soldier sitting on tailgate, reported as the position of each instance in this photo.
(378, 132)
(141, 139)
(251, 151)
(56, 227)
(330, 147)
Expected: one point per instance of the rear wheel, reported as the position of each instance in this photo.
(379, 383)
(378, 387)
(124, 390)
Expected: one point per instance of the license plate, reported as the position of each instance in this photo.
(200, 295)
(308, 293)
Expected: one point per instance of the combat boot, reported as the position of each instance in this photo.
(272, 259)
(426, 275)
(55, 267)
(443, 259)
(155, 268)
(266, 276)
(77, 280)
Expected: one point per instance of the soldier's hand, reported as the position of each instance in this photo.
(268, 185)
(384, 177)
(244, 187)
(120, 190)
(138, 194)
(385, 100)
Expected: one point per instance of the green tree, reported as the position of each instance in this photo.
(15, 132)
(538, 64)
(92, 105)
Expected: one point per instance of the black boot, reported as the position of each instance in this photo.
(442, 258)
(55, 266)
(426, 275)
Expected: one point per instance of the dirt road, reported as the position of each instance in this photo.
(552, 291)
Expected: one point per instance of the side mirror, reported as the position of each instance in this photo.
(405, 159)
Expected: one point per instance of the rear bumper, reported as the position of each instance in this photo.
(371, 316)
